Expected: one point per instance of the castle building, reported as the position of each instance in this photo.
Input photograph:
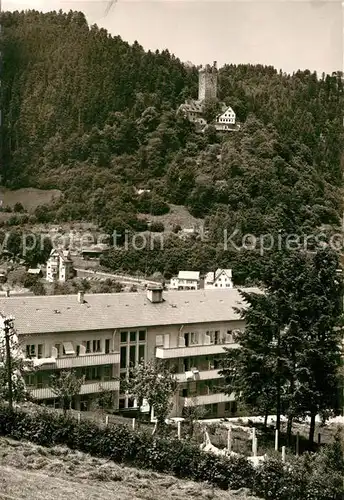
(193, 110)
(207, 82)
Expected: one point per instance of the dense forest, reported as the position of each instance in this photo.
(95, 117)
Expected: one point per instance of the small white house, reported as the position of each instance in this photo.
(226, 120)
(59, 266)
(221, 278)
(186, 280)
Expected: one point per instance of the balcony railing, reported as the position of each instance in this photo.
(191, 375)
(90, 388)
(206, 399)
(88, 360)
(200, 349)
(94, 359)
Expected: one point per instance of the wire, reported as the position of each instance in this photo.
(109, 7)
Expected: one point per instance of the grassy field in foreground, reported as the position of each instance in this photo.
(31, 472)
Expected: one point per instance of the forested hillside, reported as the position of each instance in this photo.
(86, 113)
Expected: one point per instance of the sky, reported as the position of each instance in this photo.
(288, 34)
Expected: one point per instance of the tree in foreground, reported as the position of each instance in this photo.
(153, 382)
(289, 354)
(13, 362)
(65, 386)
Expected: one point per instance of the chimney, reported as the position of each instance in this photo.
(215, 65)
(81, 297)
(154, 293)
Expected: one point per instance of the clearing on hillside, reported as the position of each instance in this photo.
(30, 198)
(178, 215)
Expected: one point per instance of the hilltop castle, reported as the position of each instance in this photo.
(207, 90)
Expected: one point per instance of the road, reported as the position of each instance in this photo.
(101, 276)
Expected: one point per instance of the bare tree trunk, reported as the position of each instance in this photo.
(278, 406)
(289, 429)
(312, 429)
(266, 418)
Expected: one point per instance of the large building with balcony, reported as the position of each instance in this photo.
(102, 335)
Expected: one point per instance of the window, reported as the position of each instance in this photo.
(58, 349)
(68, 348)
(30, 380)
(123, 363)
(92, 373)
(31, 351)
(40, 351)
(216, 364)
(159, 340)
(214, 408)
(141, 353)
(124, 336)
(142, 335)
(107, 372)
(227, 407)
(132, 355)
(132, 336)
(78, 350)
(96, 346)
(193, 338)
(88, 346)
(107, 346)
(39, 380)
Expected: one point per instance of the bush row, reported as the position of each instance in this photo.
(312, 477)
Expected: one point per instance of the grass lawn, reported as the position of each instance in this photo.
(30, 198)
(32, 472)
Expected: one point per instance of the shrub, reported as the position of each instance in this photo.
(157, 227)
(312, 476)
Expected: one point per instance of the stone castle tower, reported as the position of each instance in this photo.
(207, 82)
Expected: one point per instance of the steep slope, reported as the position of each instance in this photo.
(90, 115)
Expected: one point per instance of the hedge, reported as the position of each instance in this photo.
(309, 478)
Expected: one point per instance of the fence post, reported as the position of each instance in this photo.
(107, 420)
(283, 453)
(254, 441)
(133, 424)
(79, 418)
(179, 433)
(297, 444)
(255, 447)
(276, 440)
(229, 439)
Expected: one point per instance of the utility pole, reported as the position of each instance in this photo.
(9, 364)
(7, 328)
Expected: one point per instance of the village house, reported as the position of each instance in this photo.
(220, 279)
(102, 335)
(186, 280)
(59, 266)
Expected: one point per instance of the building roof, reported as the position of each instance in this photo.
(209, 277)
(227, 272)
(188, 275)
(227, 109)
(64, 313)
(34, 271)
(63, 254)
